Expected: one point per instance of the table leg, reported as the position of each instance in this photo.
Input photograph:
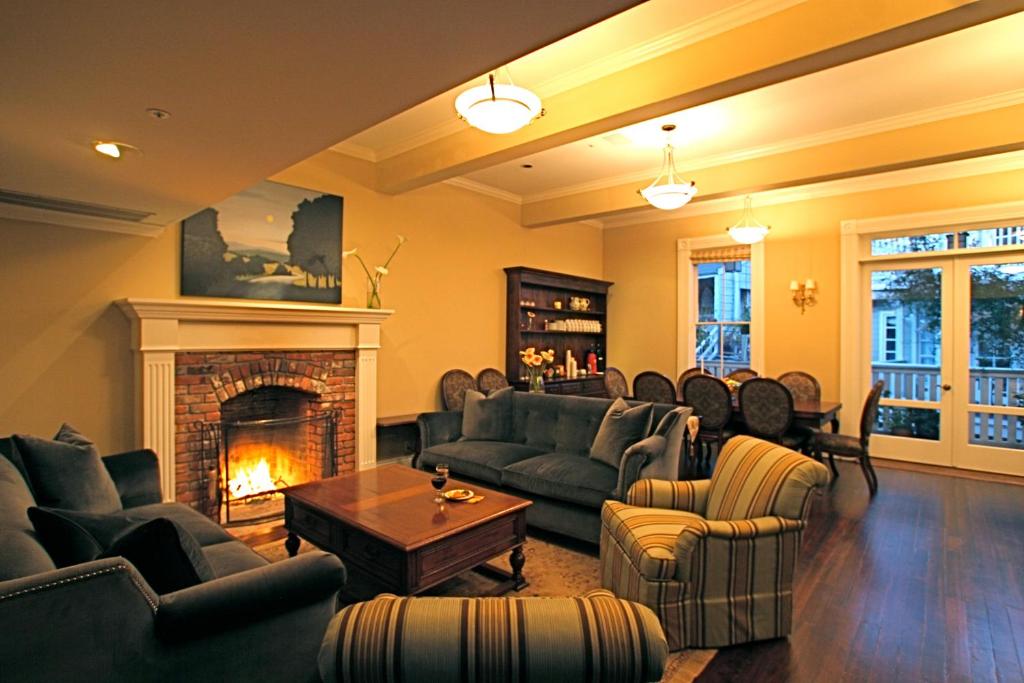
(835, 425)
(291, 544)
(517, 560)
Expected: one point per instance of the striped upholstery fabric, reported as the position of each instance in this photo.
(691, 496)
(597, 637)
(755, 478)
(713, 582)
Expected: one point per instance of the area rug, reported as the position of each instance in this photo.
(553, 569)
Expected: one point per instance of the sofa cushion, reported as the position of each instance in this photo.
(72, 537)
(482, 460)
(487, 418)
(22, 555)
(15, 497)
(166, 555)
(204, 530)
(67, 476)
(620, 428)
(563, 476)
(232, 557)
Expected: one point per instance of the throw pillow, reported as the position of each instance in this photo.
(166, 555)
(621, 427)
(68, 434)
(487, 418)
(67, 476)
(72, 537)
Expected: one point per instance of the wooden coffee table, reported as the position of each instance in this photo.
(384, 521)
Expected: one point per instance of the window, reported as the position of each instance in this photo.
(723, 320)
(947, 240)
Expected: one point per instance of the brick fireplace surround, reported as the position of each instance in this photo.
(193, 355)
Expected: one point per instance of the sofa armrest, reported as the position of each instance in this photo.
(248, 596)
(635, 459)
(687, 496)
(78, 623)
(437, 428)
(136, 475)
(697, 531)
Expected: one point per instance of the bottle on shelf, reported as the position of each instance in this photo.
(600, 358)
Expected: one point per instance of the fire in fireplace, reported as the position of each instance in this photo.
(266, 440)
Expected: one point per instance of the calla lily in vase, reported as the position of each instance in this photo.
(373, 279)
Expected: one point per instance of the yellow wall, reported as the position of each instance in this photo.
(65, 354)
(803, 243)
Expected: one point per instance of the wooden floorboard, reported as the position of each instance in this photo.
(923, 583)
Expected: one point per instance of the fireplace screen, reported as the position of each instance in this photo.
(256, 458)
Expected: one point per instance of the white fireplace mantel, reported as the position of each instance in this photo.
(162, 327)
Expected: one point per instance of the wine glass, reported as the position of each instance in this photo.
(438, 482)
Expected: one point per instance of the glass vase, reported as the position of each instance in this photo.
(373, 294)
(536, 383)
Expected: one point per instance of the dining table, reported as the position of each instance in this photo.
(814, 414)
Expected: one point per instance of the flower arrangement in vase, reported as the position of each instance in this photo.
(535, 365)
(373, 280)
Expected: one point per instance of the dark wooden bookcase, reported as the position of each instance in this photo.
(544, 288)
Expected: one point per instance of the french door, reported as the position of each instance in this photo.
(946, 336)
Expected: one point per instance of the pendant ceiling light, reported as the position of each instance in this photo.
(672, 193)
(498, 107)
(748, 230)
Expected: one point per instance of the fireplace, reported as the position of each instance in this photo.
(266, 439)
(194, 357)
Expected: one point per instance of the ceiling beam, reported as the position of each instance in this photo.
(963, 137)
(802, 39)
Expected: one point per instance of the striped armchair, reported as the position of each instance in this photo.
(597, 637)
(714, 558)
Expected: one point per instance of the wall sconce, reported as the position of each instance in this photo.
(804, 293)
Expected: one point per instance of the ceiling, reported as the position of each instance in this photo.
(252, 88)
(955, 73)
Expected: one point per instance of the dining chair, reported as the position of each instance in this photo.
(654, 387)
(711, 401)
(803, 386)
(742, 374)
(840, 444)
(453, 388)
(615, 384)
(767, 409)
(491, 379)
(687, 374)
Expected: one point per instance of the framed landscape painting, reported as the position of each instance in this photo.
(271, 241)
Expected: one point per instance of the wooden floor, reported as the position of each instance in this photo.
(924, 583)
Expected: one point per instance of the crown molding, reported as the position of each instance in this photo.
(711, 25)
(719, 22)
(481, 188)
(1010, 161)
(965, 108)
(353, 150)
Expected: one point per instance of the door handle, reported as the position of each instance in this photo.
(947, 387)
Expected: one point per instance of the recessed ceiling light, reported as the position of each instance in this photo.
(158, 114)
(111, 149)
(527, 166)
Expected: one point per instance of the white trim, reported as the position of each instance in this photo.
(161, 327)
(714, 24)
(851, 351)
(694, 165)
(724, 20)
(353, 150)
(951, 170)
(686, 300)
(481, 188)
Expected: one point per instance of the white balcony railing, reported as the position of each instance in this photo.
(987, 386)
